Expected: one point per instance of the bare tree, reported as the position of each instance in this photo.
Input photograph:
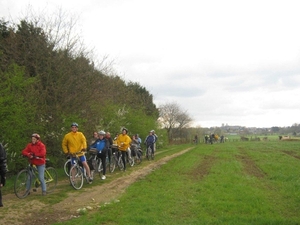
(173, 118)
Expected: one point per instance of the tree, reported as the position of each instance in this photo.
(17, 111)
(173, 119)
(47, 82)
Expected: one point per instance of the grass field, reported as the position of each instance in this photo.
(230, 183)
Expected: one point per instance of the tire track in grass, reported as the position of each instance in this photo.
(291, 153)
(275, 198)
(204, 167)
(249, 166)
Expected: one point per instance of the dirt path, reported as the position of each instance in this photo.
(34, 212)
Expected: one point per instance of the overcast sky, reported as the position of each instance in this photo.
(229, 62)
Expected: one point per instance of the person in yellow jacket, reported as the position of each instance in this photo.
(123, 142)
(74, 144)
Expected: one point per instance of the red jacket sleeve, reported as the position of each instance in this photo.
(27, 151)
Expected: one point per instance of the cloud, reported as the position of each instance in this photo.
(231, 62)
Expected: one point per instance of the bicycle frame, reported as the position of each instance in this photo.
(35, 174)
(97, 163)
(28, 177)
(77, 175)
(118, 157)
(77, 164)
(149, 152)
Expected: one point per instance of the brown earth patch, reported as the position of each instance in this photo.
(249, 166)
(293, 154)
(32, 211)
(204, 167)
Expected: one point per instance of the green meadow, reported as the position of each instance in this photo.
(230, 183)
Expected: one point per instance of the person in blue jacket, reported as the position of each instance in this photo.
(102, 145)
(149, 141)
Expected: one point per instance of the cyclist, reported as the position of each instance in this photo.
(109, 138)
(36, 152)
(139, 147)
(137, 137)
(149, 141)
(156, 137)
(114, 147)
(134, 145)
(94, 138)
(3, 170)
(123, 142)
(110, 141)
(102, 145)
(74, 143)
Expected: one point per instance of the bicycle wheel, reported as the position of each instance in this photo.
(67, 166)
(131, 161)
(138, 158)
(100, 167)
(76, 177)
(120, 163)
(112, 164)
(22, 178)
(148, 153)
(50, 179)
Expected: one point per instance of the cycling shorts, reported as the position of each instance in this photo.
(81, 159)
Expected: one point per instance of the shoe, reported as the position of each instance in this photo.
(90, 180)
(44, 193)
(103, 177)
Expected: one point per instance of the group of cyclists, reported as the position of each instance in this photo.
(75, 146)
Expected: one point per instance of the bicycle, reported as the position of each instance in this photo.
(25, 177)
(149, 153)
(118, 159)
(129, 158)
(119, 162)
(112, 164)
(137, 155)
(97, 162)
(67, 166)
(77, 174)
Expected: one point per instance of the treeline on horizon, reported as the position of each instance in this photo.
(48, 81)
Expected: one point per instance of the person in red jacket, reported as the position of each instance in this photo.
(36, 152)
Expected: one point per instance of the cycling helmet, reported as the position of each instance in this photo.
(125, 130)
(101, 132)
(74, 124)
(37, 136)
